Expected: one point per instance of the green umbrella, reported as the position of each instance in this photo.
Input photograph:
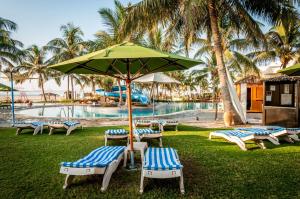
(291, 71)
(3, 87)
(126, 61)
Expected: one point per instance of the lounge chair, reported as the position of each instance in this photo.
(36, 126)
(143, 123)
(238, 137)
(148, 133)
(115, 134)
(168, 123)
(270, 133)
(103, 160)
(68, 125)
(161, 163)
(293, 133)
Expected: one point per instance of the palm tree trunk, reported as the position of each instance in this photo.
(43, 90)
(228, 106)
(72, 88)
(120, 92)
(68, 94)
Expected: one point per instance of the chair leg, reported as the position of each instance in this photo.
(294, 137)
(273, 139)
(181, 182)
(160, 142)
(68, 181)
(51, 129)
(142, 182)
(105, 137)
(260, 143)
(107, 175)
(70, 129)
(125, 158)
(18, 131)
(288, 139)
(36, 130)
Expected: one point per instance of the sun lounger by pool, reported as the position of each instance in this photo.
(36, 126)
(68, 125)
(168, 123)
(143, 123)
(103, 160)
(161, 163)
(270, 133)
(238, 137)
(147, 134)
(115, 134)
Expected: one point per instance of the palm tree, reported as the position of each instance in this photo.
(283, 41)
(190, 18)
(69, 46)
(209, 74)
(35, 63)
(233, 47)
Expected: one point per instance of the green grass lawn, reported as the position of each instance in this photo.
(212, 169)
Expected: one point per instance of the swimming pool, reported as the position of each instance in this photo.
(89, 111)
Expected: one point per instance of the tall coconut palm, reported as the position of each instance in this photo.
(209, 73)
(69, 46)
(10, 49)
(284, 43)
(35, 64)
(190, 18)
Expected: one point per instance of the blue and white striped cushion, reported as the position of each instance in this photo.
(161, 159)
(293, 129)
(37, 123)
(256, 131)
(236, 133)
(100, 157)
(116, 132)
(70, 123)
(144, 131)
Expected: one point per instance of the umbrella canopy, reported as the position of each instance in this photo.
(126, 61)
(157, 78)
(291, 71)
(3, 87)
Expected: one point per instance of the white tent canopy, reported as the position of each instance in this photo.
(157, 78)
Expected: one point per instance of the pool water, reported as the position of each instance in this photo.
(89, 111)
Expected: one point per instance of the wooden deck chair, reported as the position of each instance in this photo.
(103, 160)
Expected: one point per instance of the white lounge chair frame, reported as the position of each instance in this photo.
(158, 136)
(162, 174)
(239, 141)
(169, 124)
(107, 171)
(36, 129)
(115, 137)
(140, 123)
(288, 137)
(53, 126)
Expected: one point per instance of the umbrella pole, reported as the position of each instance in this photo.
(12, 98)
(128, 89)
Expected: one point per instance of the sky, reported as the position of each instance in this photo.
(39, 21)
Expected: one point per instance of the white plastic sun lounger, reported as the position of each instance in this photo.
(293, 133)
(36, 126)
(143, 123)
(140, 134)
(68, 125)
(238, 137)
(115, 134)
(168, 123)
(270, 133)
(161, 163)
(103, 160)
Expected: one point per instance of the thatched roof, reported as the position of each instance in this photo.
(252, 79)
(282, 78)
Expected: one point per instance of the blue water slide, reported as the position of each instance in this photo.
(136, 95)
